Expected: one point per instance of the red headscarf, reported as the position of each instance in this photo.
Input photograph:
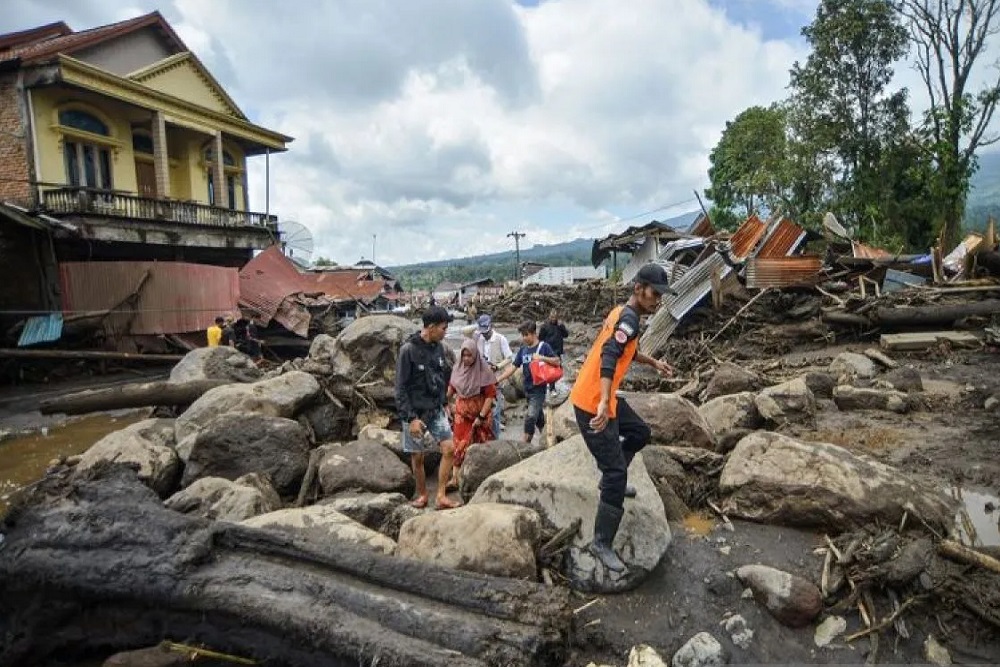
(470, 380)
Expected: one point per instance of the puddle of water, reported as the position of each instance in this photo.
(698, 523)
(24, 459)
(974, 525)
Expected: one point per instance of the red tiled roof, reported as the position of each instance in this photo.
(45, 42)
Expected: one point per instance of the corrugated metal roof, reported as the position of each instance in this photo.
(266, 280)
(783, 240)
(702, 226)
(345, 284)
(41, 329)
(694, 285)
(862, 251)
(764, 272)
(745, 239)
(150, 297)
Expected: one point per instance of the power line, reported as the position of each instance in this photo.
(639, 215)
(517, 253)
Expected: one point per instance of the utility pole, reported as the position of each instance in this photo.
(373, 248)
(517, 254)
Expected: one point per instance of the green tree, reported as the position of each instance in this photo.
(324, 261)
(950, 37)
(748, 169)
(845, 116)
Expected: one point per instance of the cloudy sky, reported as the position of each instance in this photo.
(441, 125)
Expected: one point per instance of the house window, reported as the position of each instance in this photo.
(87, 165)
(142, 143)
(230, 187)
(81, 120)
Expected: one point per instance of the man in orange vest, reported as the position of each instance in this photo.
(612, 430)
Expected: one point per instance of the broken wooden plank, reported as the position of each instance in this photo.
(923, 340)
(880, 358)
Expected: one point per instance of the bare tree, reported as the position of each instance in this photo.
(949, 37)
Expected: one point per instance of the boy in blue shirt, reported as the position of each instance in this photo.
(531, 349)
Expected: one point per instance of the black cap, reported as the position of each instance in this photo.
(435, 315)
(656, 277)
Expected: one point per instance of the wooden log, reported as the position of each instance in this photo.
(922, 341)
(276, 597)
(135, 395)
(846, 319)
(74, 355)
(936, 315)
(881, 358)
(956, 551)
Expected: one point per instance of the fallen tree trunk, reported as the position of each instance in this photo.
(275, 597)
(922, 316)
(90, 354)
(136, 395)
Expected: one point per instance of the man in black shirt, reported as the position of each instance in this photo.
(422, 374)
(554, 333)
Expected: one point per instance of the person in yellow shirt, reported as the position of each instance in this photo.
(214, 332)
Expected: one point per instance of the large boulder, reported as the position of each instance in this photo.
(775, 479)
(329, 422)
(791, 599)
(363, 466)
(393, 441)
(561, 484)
(366, 343)
(321, 523)
(281, 396)
(853, 365)
(225, 500)
(730, 378)
(373, 510)
(234, 445)
(486, 458)
(673, 419)
(215, 363)
(731, 411)
(148, 445)
(564, 424)
(489, 538)
(668, 476)
(790, 401)
(870, 398)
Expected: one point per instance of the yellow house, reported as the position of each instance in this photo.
(122, 134)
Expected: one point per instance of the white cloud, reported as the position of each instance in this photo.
(441, 126)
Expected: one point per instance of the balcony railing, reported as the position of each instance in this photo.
(114, 204)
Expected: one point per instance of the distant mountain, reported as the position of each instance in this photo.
(500, 265)
(984, 196)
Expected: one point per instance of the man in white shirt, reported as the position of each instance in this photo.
(495, 349)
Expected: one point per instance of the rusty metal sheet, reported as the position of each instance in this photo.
(764, 272)
(862, 251)
(745, 239)
(344, 284)
(150, 297)
(266, 280)
(783, 240)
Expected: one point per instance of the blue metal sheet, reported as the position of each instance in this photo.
(41, 329)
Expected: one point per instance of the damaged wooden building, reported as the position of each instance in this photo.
(123, 179)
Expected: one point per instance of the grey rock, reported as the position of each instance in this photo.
(820, 384)
(702, 650)
(224, 500)
(329, 422)
(644, 656)
(732, 411)
(934, 653)
(868, 398)
(730, 378)
(739, 632)
(831, 628)
(790, 401)
(905, 379)
(215, 363)
(234, 445)
(321, 524)
(363, 466)
(372, 510)
(486, 458)
(146, 445)
(773, 478)
(792, 600)
(853, 364)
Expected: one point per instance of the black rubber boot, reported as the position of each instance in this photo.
(630, 491)
(606, 525)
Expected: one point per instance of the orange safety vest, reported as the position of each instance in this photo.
(586, 392)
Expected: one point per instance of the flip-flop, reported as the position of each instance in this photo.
(447, 504)
(419, 503)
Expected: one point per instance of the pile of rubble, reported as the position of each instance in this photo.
(585, 302)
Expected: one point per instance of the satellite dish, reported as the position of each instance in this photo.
(296, 242)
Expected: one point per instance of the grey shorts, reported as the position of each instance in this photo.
(439, 429)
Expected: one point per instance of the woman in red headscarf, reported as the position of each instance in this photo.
(474, 384)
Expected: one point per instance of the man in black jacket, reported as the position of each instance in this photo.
(422, 374)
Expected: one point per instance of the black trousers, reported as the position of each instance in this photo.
(614, 448)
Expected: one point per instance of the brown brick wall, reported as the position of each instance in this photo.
(15, 173)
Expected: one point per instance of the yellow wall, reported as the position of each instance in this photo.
(188, 169)
(184, 81)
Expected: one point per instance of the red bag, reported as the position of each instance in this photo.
(544, 373)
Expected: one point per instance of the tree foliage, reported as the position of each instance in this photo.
(949, 38)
